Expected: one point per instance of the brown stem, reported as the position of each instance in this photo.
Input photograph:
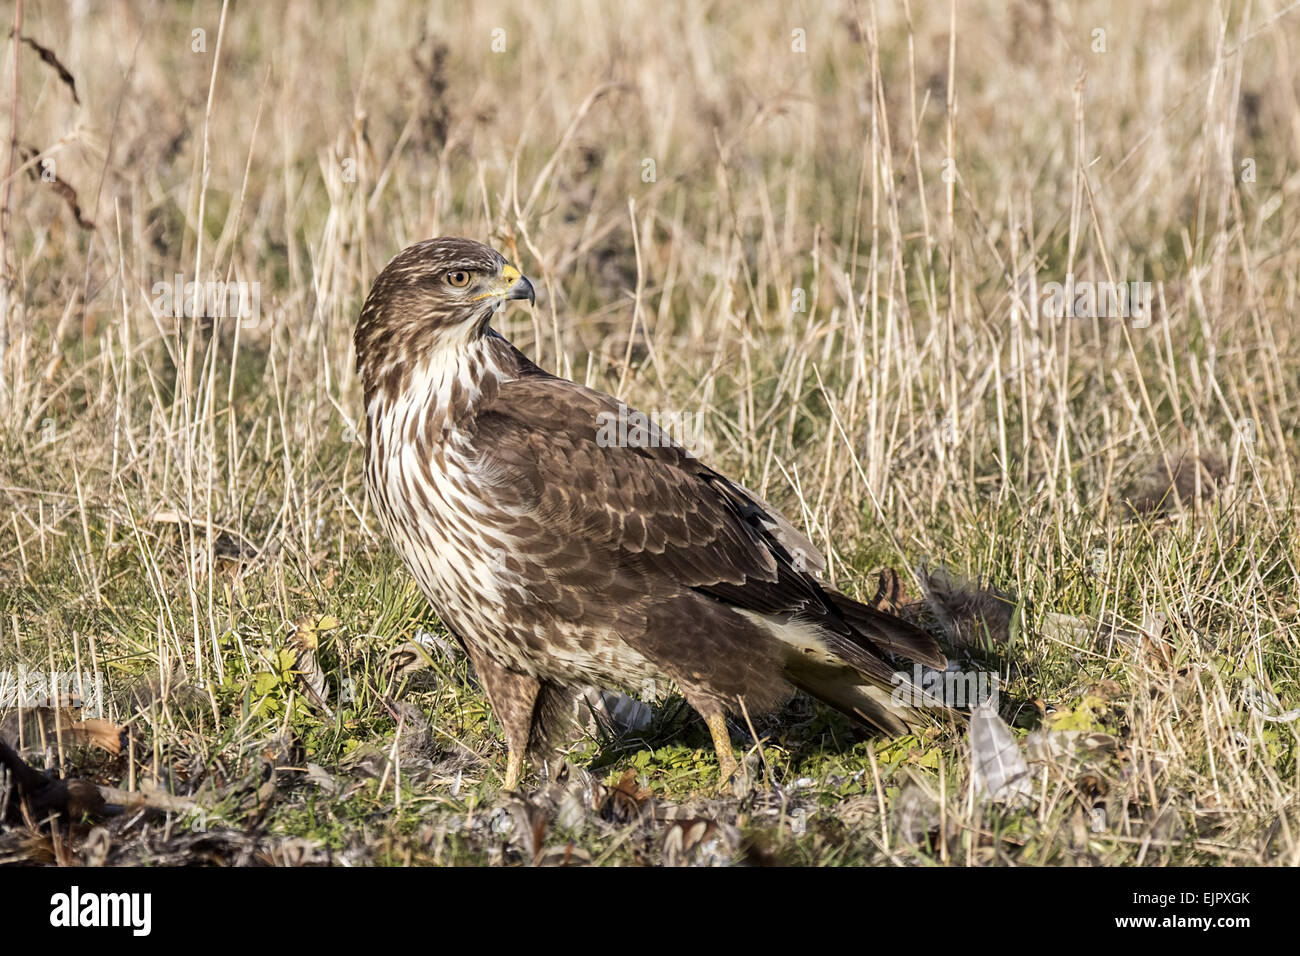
(6, 273)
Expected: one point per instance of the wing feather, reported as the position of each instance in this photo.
(656, 515)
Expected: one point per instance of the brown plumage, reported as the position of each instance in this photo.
(559, 559)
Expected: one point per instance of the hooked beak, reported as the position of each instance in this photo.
(512, 285)
(520, 287)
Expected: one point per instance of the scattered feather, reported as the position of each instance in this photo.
(1147, 641)
(700, 841)
(437, 644)
(1264, 704)
(970, 613)
(1067, 746)
(916, 815)
(626, 712)
(999, 770)
(1176, 477)
(322, 778)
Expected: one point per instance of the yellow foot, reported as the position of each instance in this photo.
(727, 765)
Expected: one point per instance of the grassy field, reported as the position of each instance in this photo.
(822, 234)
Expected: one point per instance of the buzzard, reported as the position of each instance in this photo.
(560, 560)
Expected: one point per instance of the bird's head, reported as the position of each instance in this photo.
(437, 294)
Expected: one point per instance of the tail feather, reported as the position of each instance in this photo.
(848, 670)
(891, 633)
(845, 690)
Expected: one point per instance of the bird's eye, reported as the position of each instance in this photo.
(459, 278)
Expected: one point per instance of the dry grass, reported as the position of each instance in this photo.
(854, 331)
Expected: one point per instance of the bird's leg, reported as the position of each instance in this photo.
(513, 697)
(727, 765)
(514, 769)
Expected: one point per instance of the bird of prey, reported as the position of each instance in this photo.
(561, 560)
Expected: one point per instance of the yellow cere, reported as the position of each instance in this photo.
(509, 276)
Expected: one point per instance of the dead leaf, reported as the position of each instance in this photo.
(305, 643)
(46, 54)
(623, 801)
(60, 186)
(891, 593)
(32, 725)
